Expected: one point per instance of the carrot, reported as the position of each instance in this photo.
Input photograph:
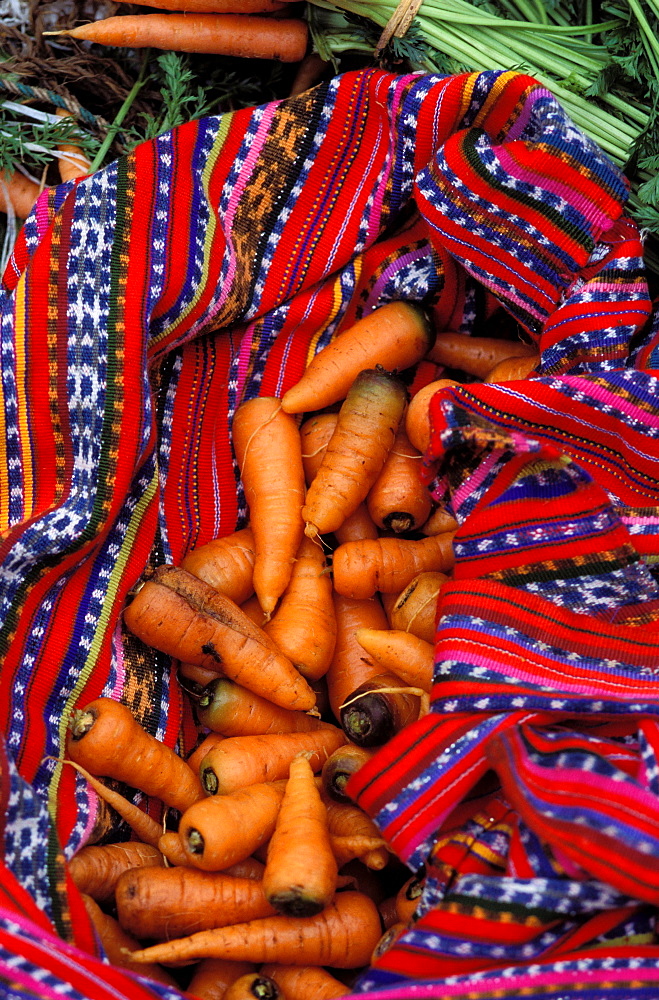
(347, 848)
(213, 976)
(194, 679)
(342, 935)
(364, 434)
(378, 709)
(227, 564)
(247, 868)
(184, 900)
(415, 608)
(250, 37)
(390, 935)
(304, 626)
(344, 819)
(475, 355)
(269, 454)
(18, 193)
(252, 608)
(398, 501)
(142, 825)
(105, 737)
(232, 710)
(74, 164)
(513, 369)
(95, 868)
(200, 751)
(395, 336)
(304, 982)
(310, 72)
(118, 945)
(439, 521)
(171, 848)
(250, 760)
(215, 6)
(388, 912)
(301, 870)
(315, 435)
(356, 526)
(339, 768)
(388, 564)
(185, 617)
(408, 897)
(221, 830)
(350, 665)
(403, 653)
(253, 986)
(417, 417)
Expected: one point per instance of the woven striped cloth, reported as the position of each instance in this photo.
(145, 303)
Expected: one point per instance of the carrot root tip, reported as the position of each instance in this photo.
(195, 842)
(210, 781)
(292, 903)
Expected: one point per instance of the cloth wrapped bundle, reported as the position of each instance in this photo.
(144, 304)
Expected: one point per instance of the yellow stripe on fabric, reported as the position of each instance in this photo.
(337, 302)
(213, 156)
(22, 401)
(493, 96)
(118, 573)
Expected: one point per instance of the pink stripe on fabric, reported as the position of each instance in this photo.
(603, 395)
(244, 355)
(376, 212)
(474, 481)
(36, 986)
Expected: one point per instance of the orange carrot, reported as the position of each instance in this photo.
(171, 848)
(118, 945)
(378, 709)
(364, 434)
(181, 901)
(347, 848)
(74, 164)
(398, 501)
(350, 665)
(185, 617)
(232, 710)
(213, 976)
(221, 830)
(96, 868)
(344, 819)
(475, 355)
(513, 369)
(106, 738)
(439, 521)
(415, 608)
(252, 608)
(226, 564)
(249, 760)
(251, 37)
(310, 72)
(390, 935)
(215, 6)
(194, 679)
(339, 768)
(403, 653)
(304, 626)
(304, 982)
(396, 336)
(253, 986)
(200, 751)
(408, 898)
(19, 192)
(315, 434)
(142, 825)
(342, 936)
(301, 870)
(388, 564)
(269, 453)
(417, 417)
(388, 912)
(356, 526)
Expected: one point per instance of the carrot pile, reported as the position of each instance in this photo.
(305, 641)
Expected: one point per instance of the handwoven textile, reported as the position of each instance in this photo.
(145, 303)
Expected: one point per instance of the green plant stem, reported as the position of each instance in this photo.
(121, 114)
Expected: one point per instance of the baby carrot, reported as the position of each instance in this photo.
(269, 454)
(221, 830)
(300, 870)
(417, 417)
(248, 760)
(118, 944)
(226, 564)
(232, 710)
(403, 653)
(251, 37)
(415, 608)
(184, 900)
(350, 665)
(361, 568)
(364, 434)
(315, 434)
(342, 936)
(106, 738)
(513, 369)
(304, 626)
(339, 768)
(253, 986)
(396, 336)
(18, 193)
(475, 355)
(213, 976)
(301, 982)
(96, 868)
(183, 616)
(398, 501)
